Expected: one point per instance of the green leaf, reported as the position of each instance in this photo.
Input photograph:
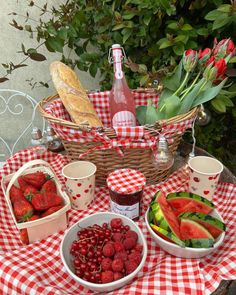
(144, 80)
(212, 15)
(186, 27)
(128, 15)
(173, 26)
(172, 105)
(233, 59)
(141, 114)
(225, 8)
(147, 18)
(93, 70)
(227, 101)
(151, 115)
(209, 94)
(221, 21)
(218, 105)
(203, 32)
(118, 27)
(54, 44)
(172, 82)
(165, 44)
(180, 38)
(128, 33)
(179, 49)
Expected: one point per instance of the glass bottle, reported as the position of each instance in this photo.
(122, 106)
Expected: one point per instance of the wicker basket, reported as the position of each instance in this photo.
(108, 160)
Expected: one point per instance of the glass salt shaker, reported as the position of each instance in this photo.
(54, 143)
(38, 141)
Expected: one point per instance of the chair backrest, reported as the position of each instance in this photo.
(17, 118)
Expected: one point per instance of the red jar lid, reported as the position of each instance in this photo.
(126, 181)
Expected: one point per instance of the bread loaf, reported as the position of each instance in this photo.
(73, 95)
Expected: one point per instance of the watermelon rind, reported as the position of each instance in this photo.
(159, 217)
(190, 229)
(170, 236)
(199, 243)
(182, 197)
(211, 223)
(150, 215)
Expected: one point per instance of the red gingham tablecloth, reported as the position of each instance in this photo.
(37, 269)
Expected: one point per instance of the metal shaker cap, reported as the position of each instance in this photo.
(50, 131)
(36, 133)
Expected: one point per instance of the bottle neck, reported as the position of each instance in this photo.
(117, 63)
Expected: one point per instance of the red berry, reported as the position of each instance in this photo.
(117, 264)
(108, 250)
(135, 256)
(122, 255)
(117, 237)
(118, 246)
(129, 243)
(118, 276)
(107, 276)
(130, 266)
(106, 263)
(132, 234)
(116, 223)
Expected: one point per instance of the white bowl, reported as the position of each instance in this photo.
(99, 218)
(186, 252)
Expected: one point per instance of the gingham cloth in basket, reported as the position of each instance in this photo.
(37, 269)
(127, 137)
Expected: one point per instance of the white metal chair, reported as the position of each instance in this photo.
(17, 118)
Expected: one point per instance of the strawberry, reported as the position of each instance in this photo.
(49, 186)
(22, 183)
(29, 192)
(37, 179)
(23, 232)
(15, 194)
(51, 210)
(23, 210)
(43, 201)
(24, 236)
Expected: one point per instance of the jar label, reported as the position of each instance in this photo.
(124, 118)
(128, 211)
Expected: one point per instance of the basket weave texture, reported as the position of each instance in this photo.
(115, 148)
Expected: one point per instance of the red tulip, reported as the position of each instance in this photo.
(223, 48)
(220, 65)
(204, 54)
(190, 59)
(210, 60)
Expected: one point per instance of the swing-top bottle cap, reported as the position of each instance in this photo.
(114, 46)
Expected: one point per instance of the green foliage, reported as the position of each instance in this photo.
(154, 35)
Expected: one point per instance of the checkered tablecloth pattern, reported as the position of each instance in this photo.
(37, 269)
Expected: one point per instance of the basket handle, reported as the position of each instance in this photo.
(23, 168)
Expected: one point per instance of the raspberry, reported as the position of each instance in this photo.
(117, 237)
(117, 264)
(130, 266)
(106, 263)
(122, 255)
(108, 250)
(139, 248)
(117, 276)
(116, 223)
(107, 276)
(132, 234)
(135, 256)
(129, 243)
(118, 246)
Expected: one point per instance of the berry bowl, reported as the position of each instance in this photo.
(103, 251)
(207, 230)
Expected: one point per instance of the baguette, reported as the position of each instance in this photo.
(73, 95)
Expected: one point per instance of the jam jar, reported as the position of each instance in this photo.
(126, 190)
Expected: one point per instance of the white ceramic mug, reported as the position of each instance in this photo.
(204, 175)
(80, 183)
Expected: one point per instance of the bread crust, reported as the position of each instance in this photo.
(73, 95)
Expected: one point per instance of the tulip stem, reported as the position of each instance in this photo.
(190, 87)
(182, 84)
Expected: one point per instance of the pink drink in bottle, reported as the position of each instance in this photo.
(122, 106)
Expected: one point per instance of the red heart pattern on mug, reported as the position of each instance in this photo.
(196, 179)
(79, 184)
(86, 191)
(206, 192)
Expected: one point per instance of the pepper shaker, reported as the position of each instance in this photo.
(54, 143)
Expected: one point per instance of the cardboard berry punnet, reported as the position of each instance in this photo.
(38, 229)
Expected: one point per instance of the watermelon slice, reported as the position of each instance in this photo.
(168, 236)
(192, 230)
(164, 215)
(187, 202)
(200, 243)
(212, 224)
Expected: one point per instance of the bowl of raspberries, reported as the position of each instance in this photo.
(103, 251)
